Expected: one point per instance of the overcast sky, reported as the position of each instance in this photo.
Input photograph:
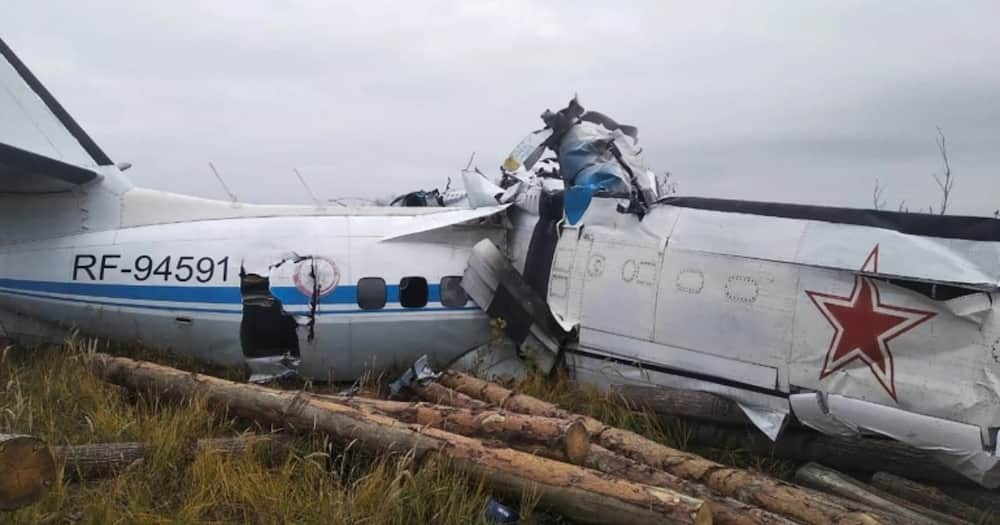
(792, 101)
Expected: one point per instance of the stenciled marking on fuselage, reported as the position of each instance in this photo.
(189, 297)
(182, 269)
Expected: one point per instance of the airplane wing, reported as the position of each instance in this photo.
(447, 217)
(22, 171)
(42, 149)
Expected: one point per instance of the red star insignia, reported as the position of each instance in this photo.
(863, 326)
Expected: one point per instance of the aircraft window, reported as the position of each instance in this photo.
(452, 293)
(371, 293)
(413, 292)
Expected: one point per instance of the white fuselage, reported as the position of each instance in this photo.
(177, 285)
(778, 313)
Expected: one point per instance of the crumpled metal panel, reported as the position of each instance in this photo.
(272, 368)
(945, 367)
(420, 371)
(958, 445)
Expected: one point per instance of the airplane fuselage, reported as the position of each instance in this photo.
(178, 286)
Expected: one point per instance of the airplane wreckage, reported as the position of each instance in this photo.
(848, 321)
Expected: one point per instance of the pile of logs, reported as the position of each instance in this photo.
(714, 421)
(580, 468)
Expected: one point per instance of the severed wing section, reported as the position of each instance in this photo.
(42, 149)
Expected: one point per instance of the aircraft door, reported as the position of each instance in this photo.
(565, 295)
(620, 277)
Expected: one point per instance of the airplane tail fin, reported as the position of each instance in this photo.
(47, 161)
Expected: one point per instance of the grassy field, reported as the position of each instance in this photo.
(45, 392)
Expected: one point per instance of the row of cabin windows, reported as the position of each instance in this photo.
(413, 292)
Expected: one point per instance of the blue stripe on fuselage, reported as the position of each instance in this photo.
(182, 307)
(288, 295)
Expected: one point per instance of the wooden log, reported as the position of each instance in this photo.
(749, 487)
(98, 460)
(925, 495)
(580, 494)
(672, 402)
(570, 437)
(27, 470)
(828, 480)
(507, 399)
(725, 511)
(441, 395)
(866, 455)
(981, 498)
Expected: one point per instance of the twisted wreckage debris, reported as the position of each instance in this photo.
(581, 468)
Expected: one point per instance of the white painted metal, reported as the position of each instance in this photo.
(736, 304)
(678, 359)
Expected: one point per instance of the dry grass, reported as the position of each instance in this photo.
(46, 393)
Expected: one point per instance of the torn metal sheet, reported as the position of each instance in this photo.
(272, 368)
(419, 372)
(500, 290)
(498, 360)
(770, 422)
(959, 446)
(482, 192)
(812, 411)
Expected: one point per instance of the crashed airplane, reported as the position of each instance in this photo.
(848, 321)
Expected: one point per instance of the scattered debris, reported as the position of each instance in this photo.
(497, 513)
(419, 372)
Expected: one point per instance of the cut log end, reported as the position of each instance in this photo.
(27, 471)
(703, 516)
(577, 443)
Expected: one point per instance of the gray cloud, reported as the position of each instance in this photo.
(795, 101)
